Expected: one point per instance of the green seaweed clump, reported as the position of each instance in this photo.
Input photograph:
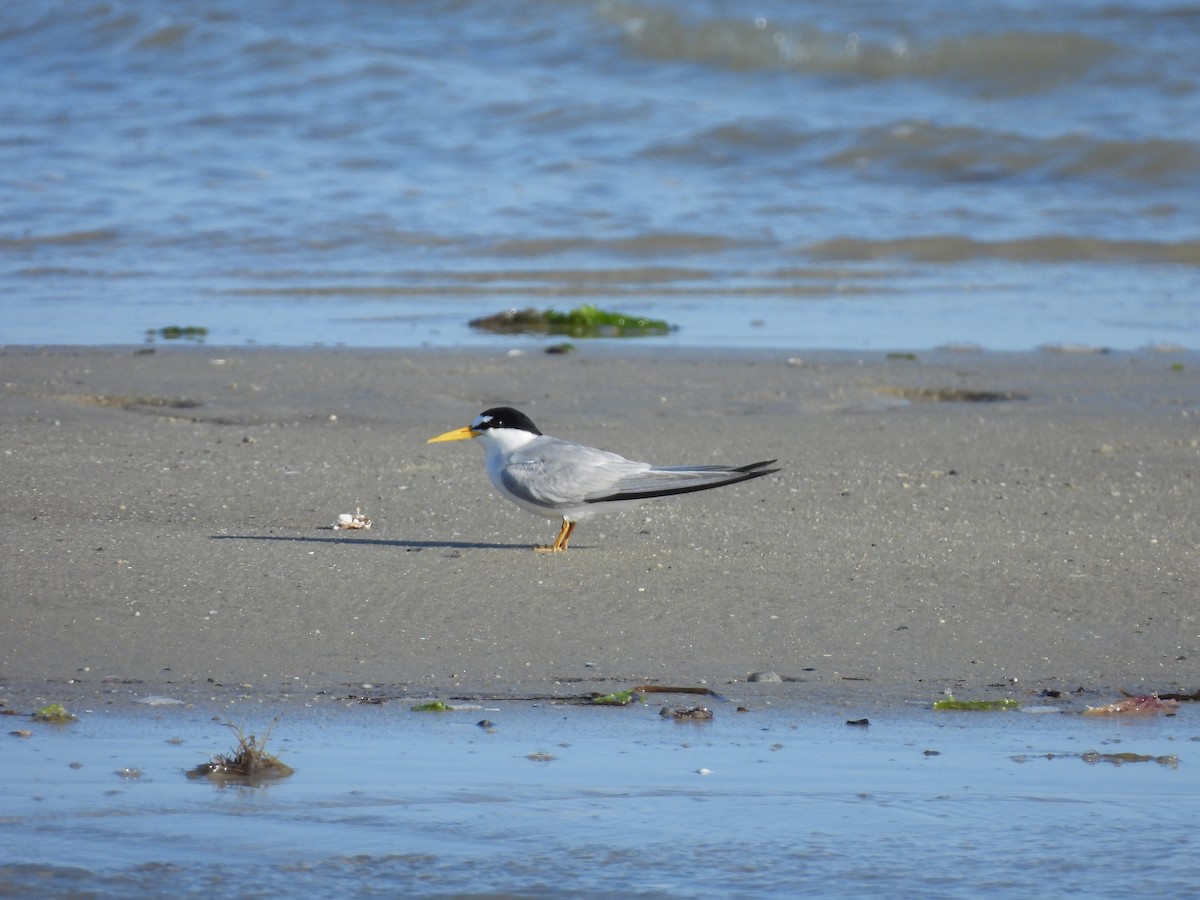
(432, 706)
(195, 333)
(585, 321)
(618, 698)
(54, 713)
(982, 705)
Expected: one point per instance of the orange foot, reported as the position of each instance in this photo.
(560, 542)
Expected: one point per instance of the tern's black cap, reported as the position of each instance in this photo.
(504, 417)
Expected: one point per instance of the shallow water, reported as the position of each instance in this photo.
(788, 175)
(795, 803)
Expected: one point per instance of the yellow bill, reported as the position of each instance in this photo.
(458, 434)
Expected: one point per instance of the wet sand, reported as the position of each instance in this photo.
(976, 522)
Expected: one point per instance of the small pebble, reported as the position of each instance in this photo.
(699, 713)
(157, 700)
(766, 677)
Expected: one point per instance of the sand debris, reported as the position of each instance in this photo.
(691, 713)
(1140, 705)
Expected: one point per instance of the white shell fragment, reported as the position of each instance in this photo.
(350, 521)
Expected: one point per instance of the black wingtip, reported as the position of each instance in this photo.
(754, 467)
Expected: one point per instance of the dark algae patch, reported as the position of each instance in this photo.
(948, 395)
(1093, 757)
(248, 763)
(582, 322)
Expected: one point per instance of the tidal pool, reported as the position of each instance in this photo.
(554, 800)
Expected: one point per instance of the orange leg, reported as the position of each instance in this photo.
(560, 542)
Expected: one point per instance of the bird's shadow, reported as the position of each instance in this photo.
(377, 542)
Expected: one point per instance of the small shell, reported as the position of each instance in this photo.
(350, 521)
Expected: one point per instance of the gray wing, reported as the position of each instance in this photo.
(659, 481)
(557, 473)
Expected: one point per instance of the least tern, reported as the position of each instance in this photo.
(554, 478)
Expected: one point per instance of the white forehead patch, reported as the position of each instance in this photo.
(481, 420)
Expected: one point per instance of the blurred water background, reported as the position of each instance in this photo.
(595, 803)
(785, 174)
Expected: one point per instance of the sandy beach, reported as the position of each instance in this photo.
(985, 523)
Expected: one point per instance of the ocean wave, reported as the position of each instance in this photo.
(637, 245)
(1010, 63)
(958, 153)
(1051, 248)
(967, 153)
(471, 282)
(70, 238)
(731, 144)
